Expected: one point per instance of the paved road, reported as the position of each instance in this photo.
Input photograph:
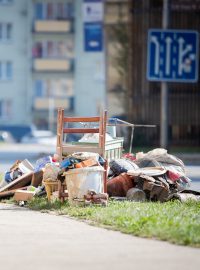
(21, 151)
(193, 172)
(32, 240)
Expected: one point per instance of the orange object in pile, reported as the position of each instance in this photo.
(87, 163)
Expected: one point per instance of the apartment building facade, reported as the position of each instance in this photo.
(15, 94)
(44, 65)
(52, 59)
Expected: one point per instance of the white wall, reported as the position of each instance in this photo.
(17, 52)
(90, 86)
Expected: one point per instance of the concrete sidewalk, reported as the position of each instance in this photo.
(34, 240)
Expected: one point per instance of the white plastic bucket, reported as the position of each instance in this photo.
(80, 180)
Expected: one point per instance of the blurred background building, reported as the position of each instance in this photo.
(56, 53)
(36, 60)
(15, 71)
(44, 64)
(52, 47)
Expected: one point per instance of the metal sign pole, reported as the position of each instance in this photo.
(164, 87)
(131, 142)
(127, 124)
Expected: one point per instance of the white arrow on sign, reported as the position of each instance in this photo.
(157, 54)
(168, 55)
(182, 53)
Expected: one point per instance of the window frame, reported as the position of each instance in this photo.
(5, 109)
(4, 70)
(60, 11)
(47, 87)
(4, 32)
(6, 2)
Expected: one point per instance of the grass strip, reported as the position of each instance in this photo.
(173, 221)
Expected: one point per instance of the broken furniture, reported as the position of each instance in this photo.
(113, 148)
(65, 126)
(50, 178)
(22, 182)
(18, 183)
(114, 122)
(50, 187)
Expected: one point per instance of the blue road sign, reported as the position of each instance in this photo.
(93, 33)
(172, 55)
(93, 11)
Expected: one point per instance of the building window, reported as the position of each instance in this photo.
(5, 109)
(6, 2)
(50, 11)
(38, 11)
(39, 88)
(53, 49)
(9, 71)
(6, 70)
(60, 88)
(6, 30)
(54, 11)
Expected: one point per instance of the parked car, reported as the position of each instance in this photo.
(6, 137)
(17, 131)
(46, 137)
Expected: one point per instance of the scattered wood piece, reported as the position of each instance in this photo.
(20, 182)
(37, 179)
(23, 195)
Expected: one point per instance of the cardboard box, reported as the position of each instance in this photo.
(23, 195)
(20, 182)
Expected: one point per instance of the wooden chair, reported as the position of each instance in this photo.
(64, 149)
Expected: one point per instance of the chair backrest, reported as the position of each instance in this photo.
(65, 148)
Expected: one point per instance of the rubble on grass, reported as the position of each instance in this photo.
(152, 176)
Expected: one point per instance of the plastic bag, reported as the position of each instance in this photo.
(50, 172)
(162, 158)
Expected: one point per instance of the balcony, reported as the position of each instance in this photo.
(52, 65)
(116, 11)
(52, 26)
(43, 103)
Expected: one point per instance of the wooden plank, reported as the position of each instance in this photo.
(104, 132)
(80, 130)
(81, 119)
(10, 193)
(68, 149)
(64, 149)
(37, 179)
(60, 122)
(20, 182)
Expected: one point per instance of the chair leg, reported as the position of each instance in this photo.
(105, 176)
(63, 193)
(59, 190)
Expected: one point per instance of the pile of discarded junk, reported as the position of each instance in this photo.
(152, 176)
(94, 169)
